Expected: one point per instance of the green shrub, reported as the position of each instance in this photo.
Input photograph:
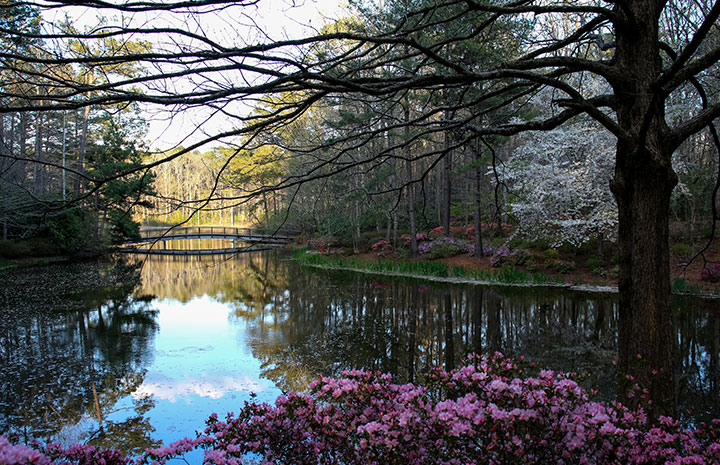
(551, 254)
(564, 267)
(681, 286)
(16, 249)
(35, 247)
(530, 265)
(681, 250)
(594, 262)
(442, 251)
(596, 265)
(72, 230)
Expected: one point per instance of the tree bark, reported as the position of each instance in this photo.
(38, 168)
(645, 341)
(79, 181)
(477, 217)
(446, 187)
(410, 188)
(642, 184)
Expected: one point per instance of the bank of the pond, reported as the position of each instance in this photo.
(440, 271)
(41, 252)
(451, 271)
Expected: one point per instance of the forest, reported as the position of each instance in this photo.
(549, 124)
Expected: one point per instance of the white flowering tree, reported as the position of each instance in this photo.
(559, 184)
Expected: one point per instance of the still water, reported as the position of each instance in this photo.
(145, 351)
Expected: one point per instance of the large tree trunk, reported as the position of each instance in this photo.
(643, 182)
(645, 327)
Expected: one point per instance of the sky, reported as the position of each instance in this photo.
(277, 19)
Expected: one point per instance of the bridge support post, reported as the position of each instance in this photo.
(164, 245)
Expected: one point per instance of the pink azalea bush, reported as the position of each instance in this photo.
(53, 454)
(381, 246)
(490, 411)
(710, 273)
(493, 411)
(503, 255)
(418, 237)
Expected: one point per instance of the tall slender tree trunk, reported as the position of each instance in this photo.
(37, 166)
(395, 230)
(411, 209)
(3, 144)
(446, 187)
(79, 181)
(477, 216)
(410, 186)
(267, 211)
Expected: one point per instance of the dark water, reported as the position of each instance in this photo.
(126, 356)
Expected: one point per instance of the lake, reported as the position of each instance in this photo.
(132, 353)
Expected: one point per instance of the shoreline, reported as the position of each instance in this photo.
(588, 288)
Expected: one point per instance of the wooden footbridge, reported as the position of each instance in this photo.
(155, 240)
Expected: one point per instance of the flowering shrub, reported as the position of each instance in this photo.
(503, 255)
(711, 273)
(487, 250)
(53, 454)
(443, 247)
(492, 411)
(381, 246)
(418, 237)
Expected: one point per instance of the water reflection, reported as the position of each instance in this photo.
(132, 364)
(63, 368)
(302, 323)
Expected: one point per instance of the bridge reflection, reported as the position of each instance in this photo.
(156, 240)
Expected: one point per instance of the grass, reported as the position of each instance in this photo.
(424, 268)
(5, 262)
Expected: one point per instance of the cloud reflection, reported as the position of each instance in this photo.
(172, 389)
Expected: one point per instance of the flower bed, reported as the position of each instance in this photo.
(490, 411)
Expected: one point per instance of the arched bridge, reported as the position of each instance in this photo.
(154, 240)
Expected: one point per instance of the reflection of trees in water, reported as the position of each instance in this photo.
(303, 324)
(64, 367)
(698, 336)
(306, 323)
(185, 277)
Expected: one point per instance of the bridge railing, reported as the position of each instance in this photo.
(216, 230)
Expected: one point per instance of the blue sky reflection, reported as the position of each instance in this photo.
(201, 364)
